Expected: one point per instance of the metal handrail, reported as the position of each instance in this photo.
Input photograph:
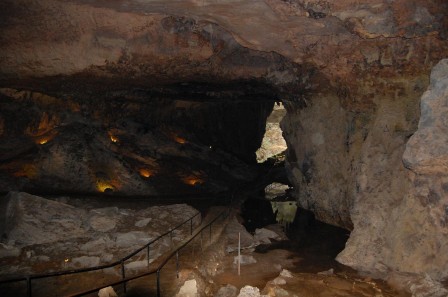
(176, 252)
(28, 278)
(161, 265)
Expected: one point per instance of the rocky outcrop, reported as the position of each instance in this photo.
(60, 236)
(347, 168)
(426, 152)
(273, 142)
(416, 241)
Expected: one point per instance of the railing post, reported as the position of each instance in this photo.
(201, 240)
(158, 283)
(192, 248)
(28, 287)
(123, 275)
(210, 230)
(147, 254)
(177, 263)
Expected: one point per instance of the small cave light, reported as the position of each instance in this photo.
(45, 139)
(179, 139)
(104, 187)
(113, 138)
(145, 172)
(193, 180)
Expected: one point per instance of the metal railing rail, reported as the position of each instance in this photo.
(120, 262)
(224, 214)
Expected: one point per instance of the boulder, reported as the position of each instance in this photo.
(188, 289)
(249, 291)
(227, 291)
(426, 151)
(29, 219)
(107, 292)
(265, 235)
(232, 230)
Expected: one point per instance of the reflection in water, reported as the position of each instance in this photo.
(285, 211)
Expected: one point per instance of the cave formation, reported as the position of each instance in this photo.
(153, 98)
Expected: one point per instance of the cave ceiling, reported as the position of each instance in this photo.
(100, 70)
(58, 45)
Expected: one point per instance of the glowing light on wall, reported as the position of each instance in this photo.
(192, 180)
(145, 172)
(180, 140)
(29, 170)
(46, 126)
(113, 138)
(104, 186)
(43, 141)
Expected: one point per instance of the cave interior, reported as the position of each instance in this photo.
(108, 105)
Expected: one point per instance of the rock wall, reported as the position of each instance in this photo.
(406, 226)
(317, 159)
(166, 146)
(347, 167)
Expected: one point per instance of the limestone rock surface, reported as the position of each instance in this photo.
(273, 142)
(30, 220)
(416, 242)
(249, 291)
(426, 151)
(66, 236)
(188, 289)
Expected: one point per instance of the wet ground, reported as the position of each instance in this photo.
(306, 281)
(310, 256)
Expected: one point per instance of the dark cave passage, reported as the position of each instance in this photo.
(188, 138)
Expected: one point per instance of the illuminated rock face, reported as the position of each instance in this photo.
(349, 74)
(162, 147)
(273, 142)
